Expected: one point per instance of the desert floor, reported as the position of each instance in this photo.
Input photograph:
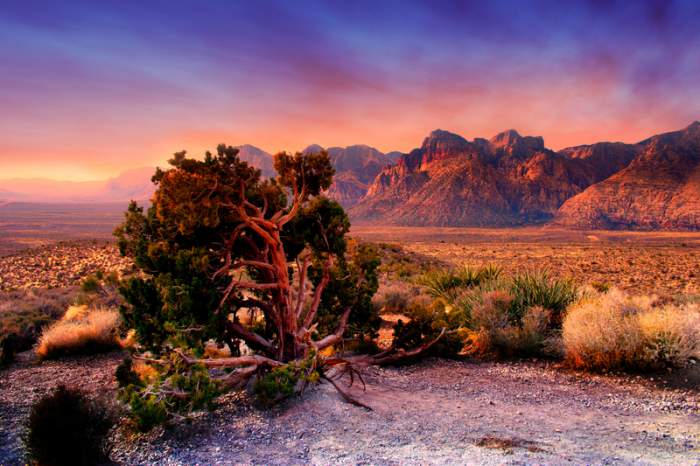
(662, 263)
(435, 412)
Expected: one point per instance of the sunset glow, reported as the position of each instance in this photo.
(89, 89)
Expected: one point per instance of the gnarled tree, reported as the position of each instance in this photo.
(227, 256)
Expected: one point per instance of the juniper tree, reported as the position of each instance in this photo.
(225, 255)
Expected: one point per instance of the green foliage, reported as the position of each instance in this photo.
(147, 411)
(426, 323)
(91, 284)
(448, 284)
(496, 333)
(526, 290)
(353, 282)
(67, 428)
(282, 382)
(531, 289)
(179, 389)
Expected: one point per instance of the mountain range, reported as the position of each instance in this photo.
(507, 180)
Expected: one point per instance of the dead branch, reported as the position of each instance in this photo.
(346, 396)
(253, 360)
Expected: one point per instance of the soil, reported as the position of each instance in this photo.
(433, 412)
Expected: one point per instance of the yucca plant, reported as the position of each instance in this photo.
(538, 288)
(449, 284)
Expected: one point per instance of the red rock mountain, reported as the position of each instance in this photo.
(659, 189)
(355, 168)
(505, 181)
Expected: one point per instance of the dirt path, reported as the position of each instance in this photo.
(436, 412)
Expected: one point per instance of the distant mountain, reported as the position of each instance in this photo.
(355, 168)
(659, 189)
(257, 158)
(505, 181)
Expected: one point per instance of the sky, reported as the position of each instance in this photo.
(89, 89)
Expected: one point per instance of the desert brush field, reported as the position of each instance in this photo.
(469, 409)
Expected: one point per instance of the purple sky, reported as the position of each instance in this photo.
(88, 89)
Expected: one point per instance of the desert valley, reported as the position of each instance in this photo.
(507, 203)
(350, 233)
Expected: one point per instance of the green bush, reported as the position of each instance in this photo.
(280, 383)
(495, 333)
(531, 289)
(91, 284)
(66, 428)
(179, 389)
(526, 290)
(448, 284)
(425, 324)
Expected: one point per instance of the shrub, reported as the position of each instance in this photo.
(67, 428)
(424, 325)
(282, 382)
(23, 313)
(495, 332)
(80, 332)
(526, 290)
(155, 397)
(447, 284)
(8, 348)
(614, 330)
(91, 284)
(531, 289)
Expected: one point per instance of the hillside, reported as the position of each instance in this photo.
(505, 181)
(659, 189)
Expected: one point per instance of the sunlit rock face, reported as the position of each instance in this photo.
(503, 181)
(659, 189)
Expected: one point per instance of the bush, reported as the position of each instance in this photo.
(495, 333)
(282, 382)
(425, 324)
(8, 349)
(531, 289)
(23, 314)
(526, 290)
(91, 284)
(80, 331)
(614, 330)
(155, 397)
(447, 284)
(67, 428)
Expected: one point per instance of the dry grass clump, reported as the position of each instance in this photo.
(80, 331)
(614, 330)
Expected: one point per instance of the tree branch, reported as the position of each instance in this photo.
(336, 337)
(239, 361)
(311, 315)
(252, 339)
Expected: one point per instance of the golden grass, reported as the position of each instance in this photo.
(614, 330)
(80, 331)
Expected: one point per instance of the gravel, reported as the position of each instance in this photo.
(434, 412)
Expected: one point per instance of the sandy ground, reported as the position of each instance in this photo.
(435, 412)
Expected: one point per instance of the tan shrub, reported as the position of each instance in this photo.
(614, 330)
(80, 332)
(671, 335)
